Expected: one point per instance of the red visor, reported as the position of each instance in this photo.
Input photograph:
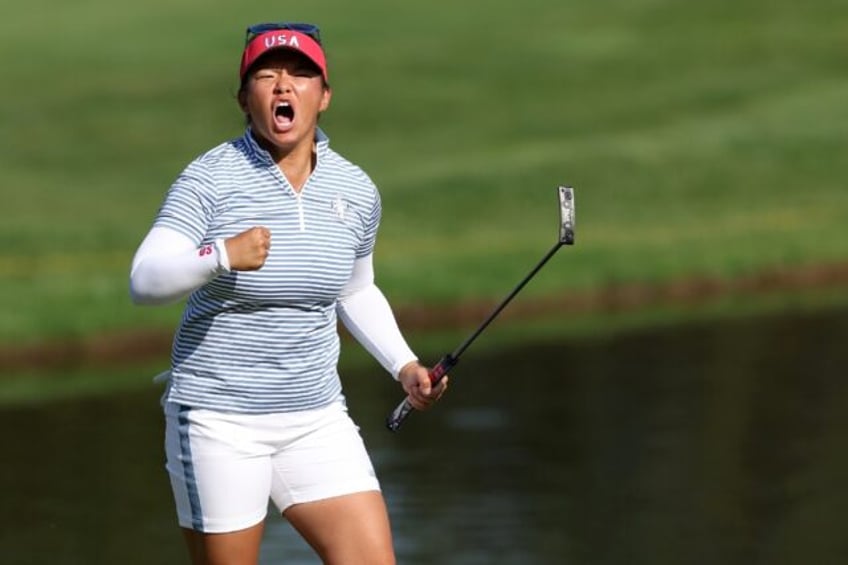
(283, 39)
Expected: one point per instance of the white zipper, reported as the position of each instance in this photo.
(300, 212)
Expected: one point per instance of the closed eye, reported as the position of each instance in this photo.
(307, 72)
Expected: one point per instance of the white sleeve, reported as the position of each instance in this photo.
(366, 313)
(168, 266)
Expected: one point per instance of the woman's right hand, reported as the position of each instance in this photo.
(248, 250)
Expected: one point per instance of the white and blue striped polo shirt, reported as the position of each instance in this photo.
(266, 341)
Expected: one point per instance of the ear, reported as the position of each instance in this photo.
(326, 95)
(242, 99)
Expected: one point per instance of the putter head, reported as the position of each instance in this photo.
(566, 215)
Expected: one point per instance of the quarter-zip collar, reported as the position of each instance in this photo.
(260, 155)
(257, 153)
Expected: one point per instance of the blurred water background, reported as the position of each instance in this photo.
(697, 444)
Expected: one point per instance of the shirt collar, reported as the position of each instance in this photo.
(322, 142)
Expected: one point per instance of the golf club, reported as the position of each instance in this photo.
(449, 361)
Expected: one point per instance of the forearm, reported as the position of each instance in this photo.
(169, 266)
(366, 313)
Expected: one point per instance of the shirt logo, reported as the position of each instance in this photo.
(339, 207)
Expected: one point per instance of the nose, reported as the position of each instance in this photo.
(284, 82)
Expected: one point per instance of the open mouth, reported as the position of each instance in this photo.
(283, 114)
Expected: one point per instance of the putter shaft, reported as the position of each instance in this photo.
(449, 361)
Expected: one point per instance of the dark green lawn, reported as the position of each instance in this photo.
(702, 139)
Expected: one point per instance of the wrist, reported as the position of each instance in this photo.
(223, 257)
(410, 366)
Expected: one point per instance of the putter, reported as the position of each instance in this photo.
(449, 361)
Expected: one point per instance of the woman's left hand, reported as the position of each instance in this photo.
(415, 379)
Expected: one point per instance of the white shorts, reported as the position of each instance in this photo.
(224, 467)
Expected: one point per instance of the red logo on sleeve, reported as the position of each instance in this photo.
(205, 250)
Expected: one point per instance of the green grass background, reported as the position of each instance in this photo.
(701, 138)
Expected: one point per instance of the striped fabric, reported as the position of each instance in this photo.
(266, 341)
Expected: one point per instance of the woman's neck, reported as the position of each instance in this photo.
(296, 166)
(296, 163)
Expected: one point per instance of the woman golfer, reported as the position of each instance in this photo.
(271, 237)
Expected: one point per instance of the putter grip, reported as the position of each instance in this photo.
(403, 409)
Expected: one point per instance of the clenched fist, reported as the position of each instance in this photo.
(248, 250)
(415, 379)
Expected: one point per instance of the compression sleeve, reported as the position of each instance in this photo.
(366, 313)
(168, 266)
